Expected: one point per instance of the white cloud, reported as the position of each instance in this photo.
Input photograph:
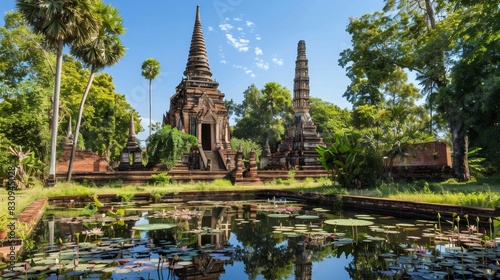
(225, 27)
(258, 38)
(278, 61)
(237, 19)
(210, 28)
(258, 51)
(223, 61)
(261, 64)
(249, 72)
(249, 23)
(240, 28)
(239, 44)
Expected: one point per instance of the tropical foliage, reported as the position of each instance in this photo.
(61, 23)
(450, 47)
(105, 49)
(25, 100)
(150, 70)
(169, 144)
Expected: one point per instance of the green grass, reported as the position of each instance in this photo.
(484, 192)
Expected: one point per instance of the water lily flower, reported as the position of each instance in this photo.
(421, 249)
(472, 228)
(184, 248)
(75, 262)
(96, 231)
(26, 266)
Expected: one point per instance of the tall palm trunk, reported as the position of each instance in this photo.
(78, 122)
(150, 103)
(51, 180)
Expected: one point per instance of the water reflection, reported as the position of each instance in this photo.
(252, 240)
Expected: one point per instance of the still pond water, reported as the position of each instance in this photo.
(273, 239)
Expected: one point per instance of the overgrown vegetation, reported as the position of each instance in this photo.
(169, 144)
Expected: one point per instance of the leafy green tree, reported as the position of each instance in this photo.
(23, 54)
(150, 70)
(472, 97)
(407, 35)
(60, 22)
(23, 120)
(169, 144)
(25, 75)
(106, 118)
(103, 50)
(264, 114)
(330, 119)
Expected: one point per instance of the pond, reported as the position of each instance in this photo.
(273, 239)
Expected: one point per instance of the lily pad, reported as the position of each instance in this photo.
(154, 226)
(348, 222)
(307, 217)
(276, 215)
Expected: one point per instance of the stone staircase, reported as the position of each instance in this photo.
(215, 160)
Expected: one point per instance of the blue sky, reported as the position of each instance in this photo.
(248, 42)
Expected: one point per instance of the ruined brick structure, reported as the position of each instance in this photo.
(197, 107)
(85, 161)
(298, 148)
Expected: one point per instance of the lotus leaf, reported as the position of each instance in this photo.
(276, 215)
(307, 217)
(348, 222)
(154, 226)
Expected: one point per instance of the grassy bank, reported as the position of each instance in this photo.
(483, 192)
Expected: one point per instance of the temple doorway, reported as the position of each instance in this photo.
(206, 137)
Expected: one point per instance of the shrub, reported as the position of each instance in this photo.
(125, 197)
(160, 179)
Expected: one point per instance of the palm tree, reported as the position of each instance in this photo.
(150, 70)
(62, 23)
(104, 50)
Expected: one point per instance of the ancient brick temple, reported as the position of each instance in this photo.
(298, 148)
(197, 107)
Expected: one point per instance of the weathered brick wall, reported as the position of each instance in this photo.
(85, 161)
(425, 154)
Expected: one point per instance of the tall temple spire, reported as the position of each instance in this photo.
(298, 148)
(301, 81)
(197, 67)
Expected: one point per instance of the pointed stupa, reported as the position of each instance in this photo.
(132, 141)
(197, 107)
(69, 136)
(197, 67)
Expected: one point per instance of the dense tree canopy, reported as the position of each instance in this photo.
(25, 99)
(60, 23)
(448, 44)
(264, 114)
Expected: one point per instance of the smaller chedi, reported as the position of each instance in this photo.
(131, 157)
(298, 147)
